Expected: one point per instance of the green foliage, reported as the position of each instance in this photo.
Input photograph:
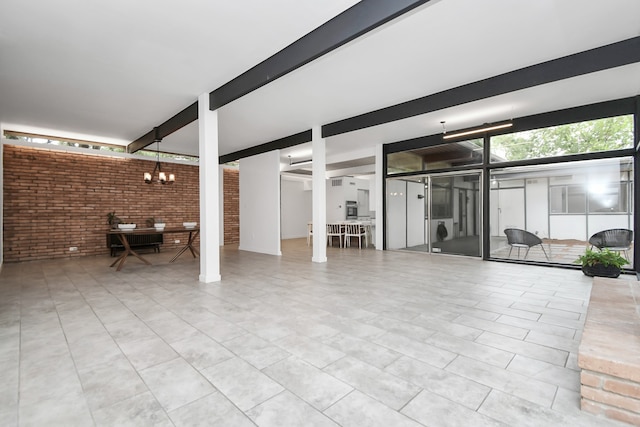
(112, 219)
(575, 138)
(605, 257)
(152, 221)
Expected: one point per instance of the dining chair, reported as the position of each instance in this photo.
(309, 233)
(355, 229)
(335, 230)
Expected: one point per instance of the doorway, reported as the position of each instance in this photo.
(436, 213)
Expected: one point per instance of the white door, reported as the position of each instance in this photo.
(507, 210)
(415, 214)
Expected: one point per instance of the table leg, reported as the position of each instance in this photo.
(189, 245)
(127, 251)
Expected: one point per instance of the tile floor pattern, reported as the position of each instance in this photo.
(370, 338)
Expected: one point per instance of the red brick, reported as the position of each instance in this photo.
(625, 388)
(611, 399)
(591, 379)
(622, 415)
(231, 183)
(591, 407)
(56, 199)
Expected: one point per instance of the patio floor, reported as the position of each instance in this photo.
(369, 338)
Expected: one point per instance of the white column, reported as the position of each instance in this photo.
(380, 214)
(209, 192)
(319, 187)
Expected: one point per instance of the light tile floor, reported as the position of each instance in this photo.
(369, 338)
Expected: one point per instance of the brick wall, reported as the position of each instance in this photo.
(54, 200)
(609, 351)
(231, 180)
(610, 397)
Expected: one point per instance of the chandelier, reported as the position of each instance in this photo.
(162, 177)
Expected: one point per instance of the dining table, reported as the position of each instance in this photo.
(122, 236)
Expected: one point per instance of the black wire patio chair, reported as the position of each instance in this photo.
(614, 239)
(518, 238)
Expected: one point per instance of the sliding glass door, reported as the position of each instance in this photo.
(438, 213)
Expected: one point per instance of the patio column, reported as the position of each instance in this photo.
(379, 192)
(319, 203)
(209, 192)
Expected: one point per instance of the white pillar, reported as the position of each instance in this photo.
(209, 192)
(319, 187)
(380, 214)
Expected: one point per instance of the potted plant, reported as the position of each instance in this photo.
(113, 220)
(601, 263)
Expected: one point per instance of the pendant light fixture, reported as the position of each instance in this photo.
(162, 177)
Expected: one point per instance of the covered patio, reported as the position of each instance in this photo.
(374, 338)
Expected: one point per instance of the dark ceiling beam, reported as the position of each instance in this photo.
(183, 118)
(614, 55)
(349, 25)
(352, 23)
(278, 144)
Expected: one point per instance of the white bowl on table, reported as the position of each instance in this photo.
(126, 227)
(159, 226)
(189, 224)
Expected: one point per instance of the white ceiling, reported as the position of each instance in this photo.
(113, 72)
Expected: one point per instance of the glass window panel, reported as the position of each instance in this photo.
(576, 199)
(608, 198)
(558, 199)
(441, 201)
(606, 134)
(562, 205)
(443, 156)
(405, 161)
(508, 183)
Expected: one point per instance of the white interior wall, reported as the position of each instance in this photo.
(396, 214)
(295, 208)
(260, 203)
(336, 210)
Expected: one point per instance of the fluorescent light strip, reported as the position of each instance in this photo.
(480, 130)
(301, 162)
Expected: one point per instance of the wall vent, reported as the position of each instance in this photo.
(336, 182)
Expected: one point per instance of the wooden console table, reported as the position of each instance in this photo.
(122, 235)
